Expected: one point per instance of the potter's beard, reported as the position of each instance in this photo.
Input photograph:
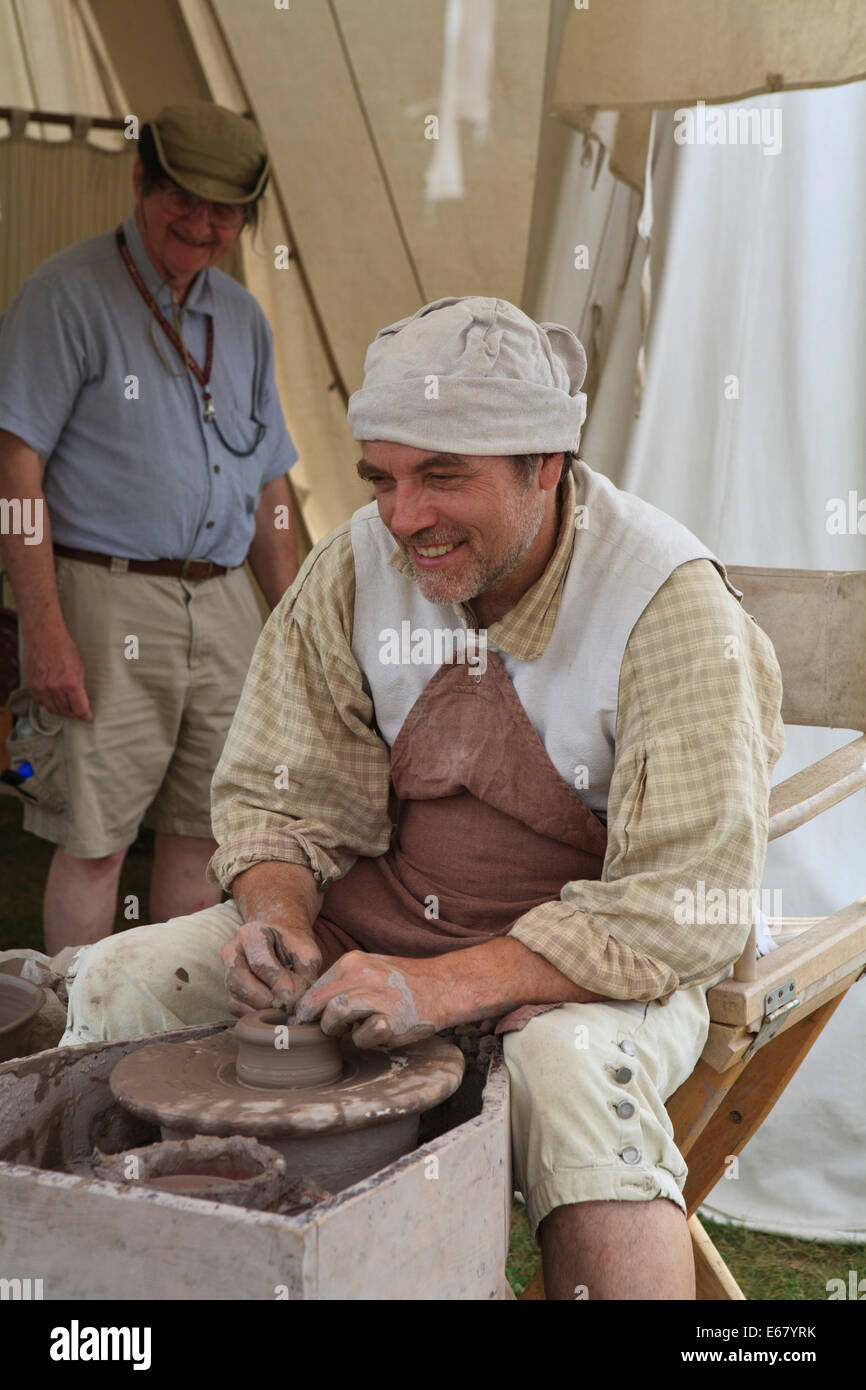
(476, 572)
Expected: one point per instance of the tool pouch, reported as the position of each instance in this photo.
(43, 750)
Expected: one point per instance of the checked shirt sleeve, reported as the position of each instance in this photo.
(304, 776)
(698, 734)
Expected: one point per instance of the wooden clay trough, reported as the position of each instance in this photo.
(433, 1224)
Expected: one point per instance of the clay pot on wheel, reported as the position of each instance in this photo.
(336, 1113)
(276, 1055)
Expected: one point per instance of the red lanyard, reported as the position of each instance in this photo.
(202, 377)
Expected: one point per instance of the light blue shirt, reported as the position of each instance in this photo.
(131, 467)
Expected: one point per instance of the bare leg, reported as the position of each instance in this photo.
(178, 885)
(618, 1250)
(80, 899)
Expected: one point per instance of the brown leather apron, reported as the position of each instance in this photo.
(487, 828)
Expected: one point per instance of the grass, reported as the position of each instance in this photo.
(771, 1268)
(767, 1267)
(524, 1256)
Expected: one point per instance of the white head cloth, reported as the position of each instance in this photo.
(472, 376)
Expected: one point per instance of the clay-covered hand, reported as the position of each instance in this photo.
(386, 1001)
(269, 966)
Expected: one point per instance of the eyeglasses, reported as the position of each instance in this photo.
(177, 201)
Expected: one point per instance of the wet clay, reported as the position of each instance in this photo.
(20, 1002)
(340, 1159)
(276, 1055)
(337, 1131)
(191, 1184)
(235, 1170)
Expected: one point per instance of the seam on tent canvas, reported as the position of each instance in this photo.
(111, 84)
(375, 148)
(22, 46)
(275, 194)
(748, 319)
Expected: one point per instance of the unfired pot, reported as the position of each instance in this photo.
(346, 1113)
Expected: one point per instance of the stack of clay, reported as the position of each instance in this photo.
(47, 973)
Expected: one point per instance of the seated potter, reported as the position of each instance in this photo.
(600, 746)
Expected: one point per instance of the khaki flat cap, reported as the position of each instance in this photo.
(210, 151)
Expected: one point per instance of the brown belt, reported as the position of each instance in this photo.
(119, 564)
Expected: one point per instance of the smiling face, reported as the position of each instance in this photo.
(179, 247)
(468, 525)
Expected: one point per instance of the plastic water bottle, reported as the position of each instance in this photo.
(22, 772)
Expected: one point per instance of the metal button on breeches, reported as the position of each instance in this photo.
(630, 1155)
(625, 1110)
(628, 1047)
(622, 1075)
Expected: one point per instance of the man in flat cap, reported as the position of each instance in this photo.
(578, 721)
(137, 402)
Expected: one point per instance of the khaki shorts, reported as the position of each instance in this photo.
(164, 664)
(588, 1081)
(588, 1086)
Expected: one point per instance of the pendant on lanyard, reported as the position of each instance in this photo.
(202, 376)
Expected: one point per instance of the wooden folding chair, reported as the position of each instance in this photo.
(767, 1016)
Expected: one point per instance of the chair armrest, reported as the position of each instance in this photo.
(817, 957)
(818, 787)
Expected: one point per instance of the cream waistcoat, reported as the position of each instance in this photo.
(624, 550)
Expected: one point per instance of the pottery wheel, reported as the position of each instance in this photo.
(192, 1086)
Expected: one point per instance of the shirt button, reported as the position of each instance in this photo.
(208, 525)
(628, 1047)
(625, 1110)
(216, 468)
(622, 1075)
(630, 1155)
